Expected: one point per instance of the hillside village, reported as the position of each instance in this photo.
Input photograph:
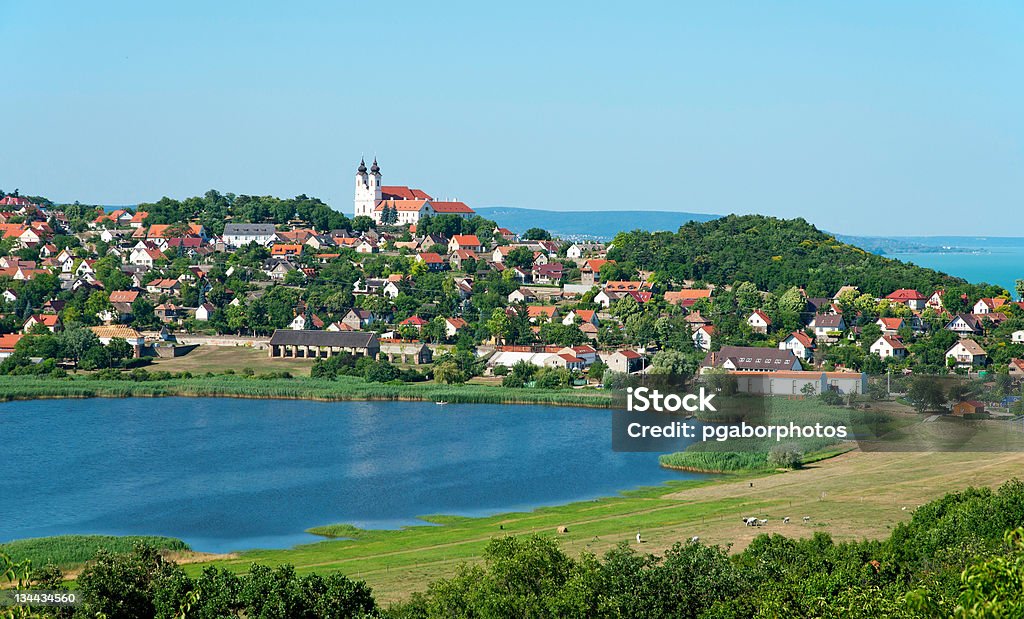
(424, 289)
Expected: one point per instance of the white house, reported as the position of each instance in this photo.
(205, 311)
(702, 337)
(967, 353)
(909, 297)
(465, 241)
(964, 325)
(521, 295)
(453, 325)
(239, 235)
(987, 305)
(145, 256)
(625, 361)
(826, 324)
(583, 315)
(889, 346)
(799, 343)
(577, 250)
(759, 322)
(585, 352)
(890, 326)
(1018, 337)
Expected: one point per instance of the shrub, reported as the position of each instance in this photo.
(785, 457)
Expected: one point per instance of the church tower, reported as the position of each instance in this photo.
(367, 189)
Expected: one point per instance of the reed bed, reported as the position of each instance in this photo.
(69, 550)
(343, 388)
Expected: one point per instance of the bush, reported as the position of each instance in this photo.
(831, 397)
(785, 457)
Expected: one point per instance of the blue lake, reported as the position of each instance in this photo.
(231, 474)
(1001, 265)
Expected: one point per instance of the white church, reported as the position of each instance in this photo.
(406, 205)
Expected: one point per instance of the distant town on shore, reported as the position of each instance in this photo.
(409, 288)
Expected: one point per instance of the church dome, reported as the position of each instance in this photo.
(362, 166)
(375, 169)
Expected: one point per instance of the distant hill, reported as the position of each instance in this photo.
(599, 225)
(771, 253)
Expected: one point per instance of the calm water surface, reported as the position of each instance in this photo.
(1002, 265)
(231, 474)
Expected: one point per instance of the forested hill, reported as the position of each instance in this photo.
(601, 225)
(772, 253)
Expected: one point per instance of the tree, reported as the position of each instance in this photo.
(519, 257)
(119, 349)
(362, 223)
(869, 334)
(670, 362)
(499, 325)
(448, 372)
(926, 394)
(77, 342)
(120, 586)
(785, 457)
(994, 587)
(143, 314)
(537, 234)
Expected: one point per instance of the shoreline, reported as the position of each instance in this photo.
(15, 388)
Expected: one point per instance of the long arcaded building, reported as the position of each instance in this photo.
(311, 344)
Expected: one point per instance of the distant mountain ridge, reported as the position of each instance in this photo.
(604, 225)
(597, 225)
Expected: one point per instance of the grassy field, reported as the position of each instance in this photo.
(852, 496)
(217, 359)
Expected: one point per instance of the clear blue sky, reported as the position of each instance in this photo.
(863, 117)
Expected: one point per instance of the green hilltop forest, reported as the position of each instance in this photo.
(775, 253)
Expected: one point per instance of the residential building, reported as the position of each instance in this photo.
(759, 322)
(800, 344)
(909, 297)
(988, 305)
(702, 337)
(967, 354)
(890, 326)
(889, 346)
(625, 361)
(827, 327)
(239, 235)
(751, 359)
(964, 325)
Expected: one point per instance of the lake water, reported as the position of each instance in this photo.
(1002, 265)
(232, 474)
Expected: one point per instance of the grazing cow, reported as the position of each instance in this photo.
(785, 520)
(762, 522)
(694, 539)
(807, 518)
